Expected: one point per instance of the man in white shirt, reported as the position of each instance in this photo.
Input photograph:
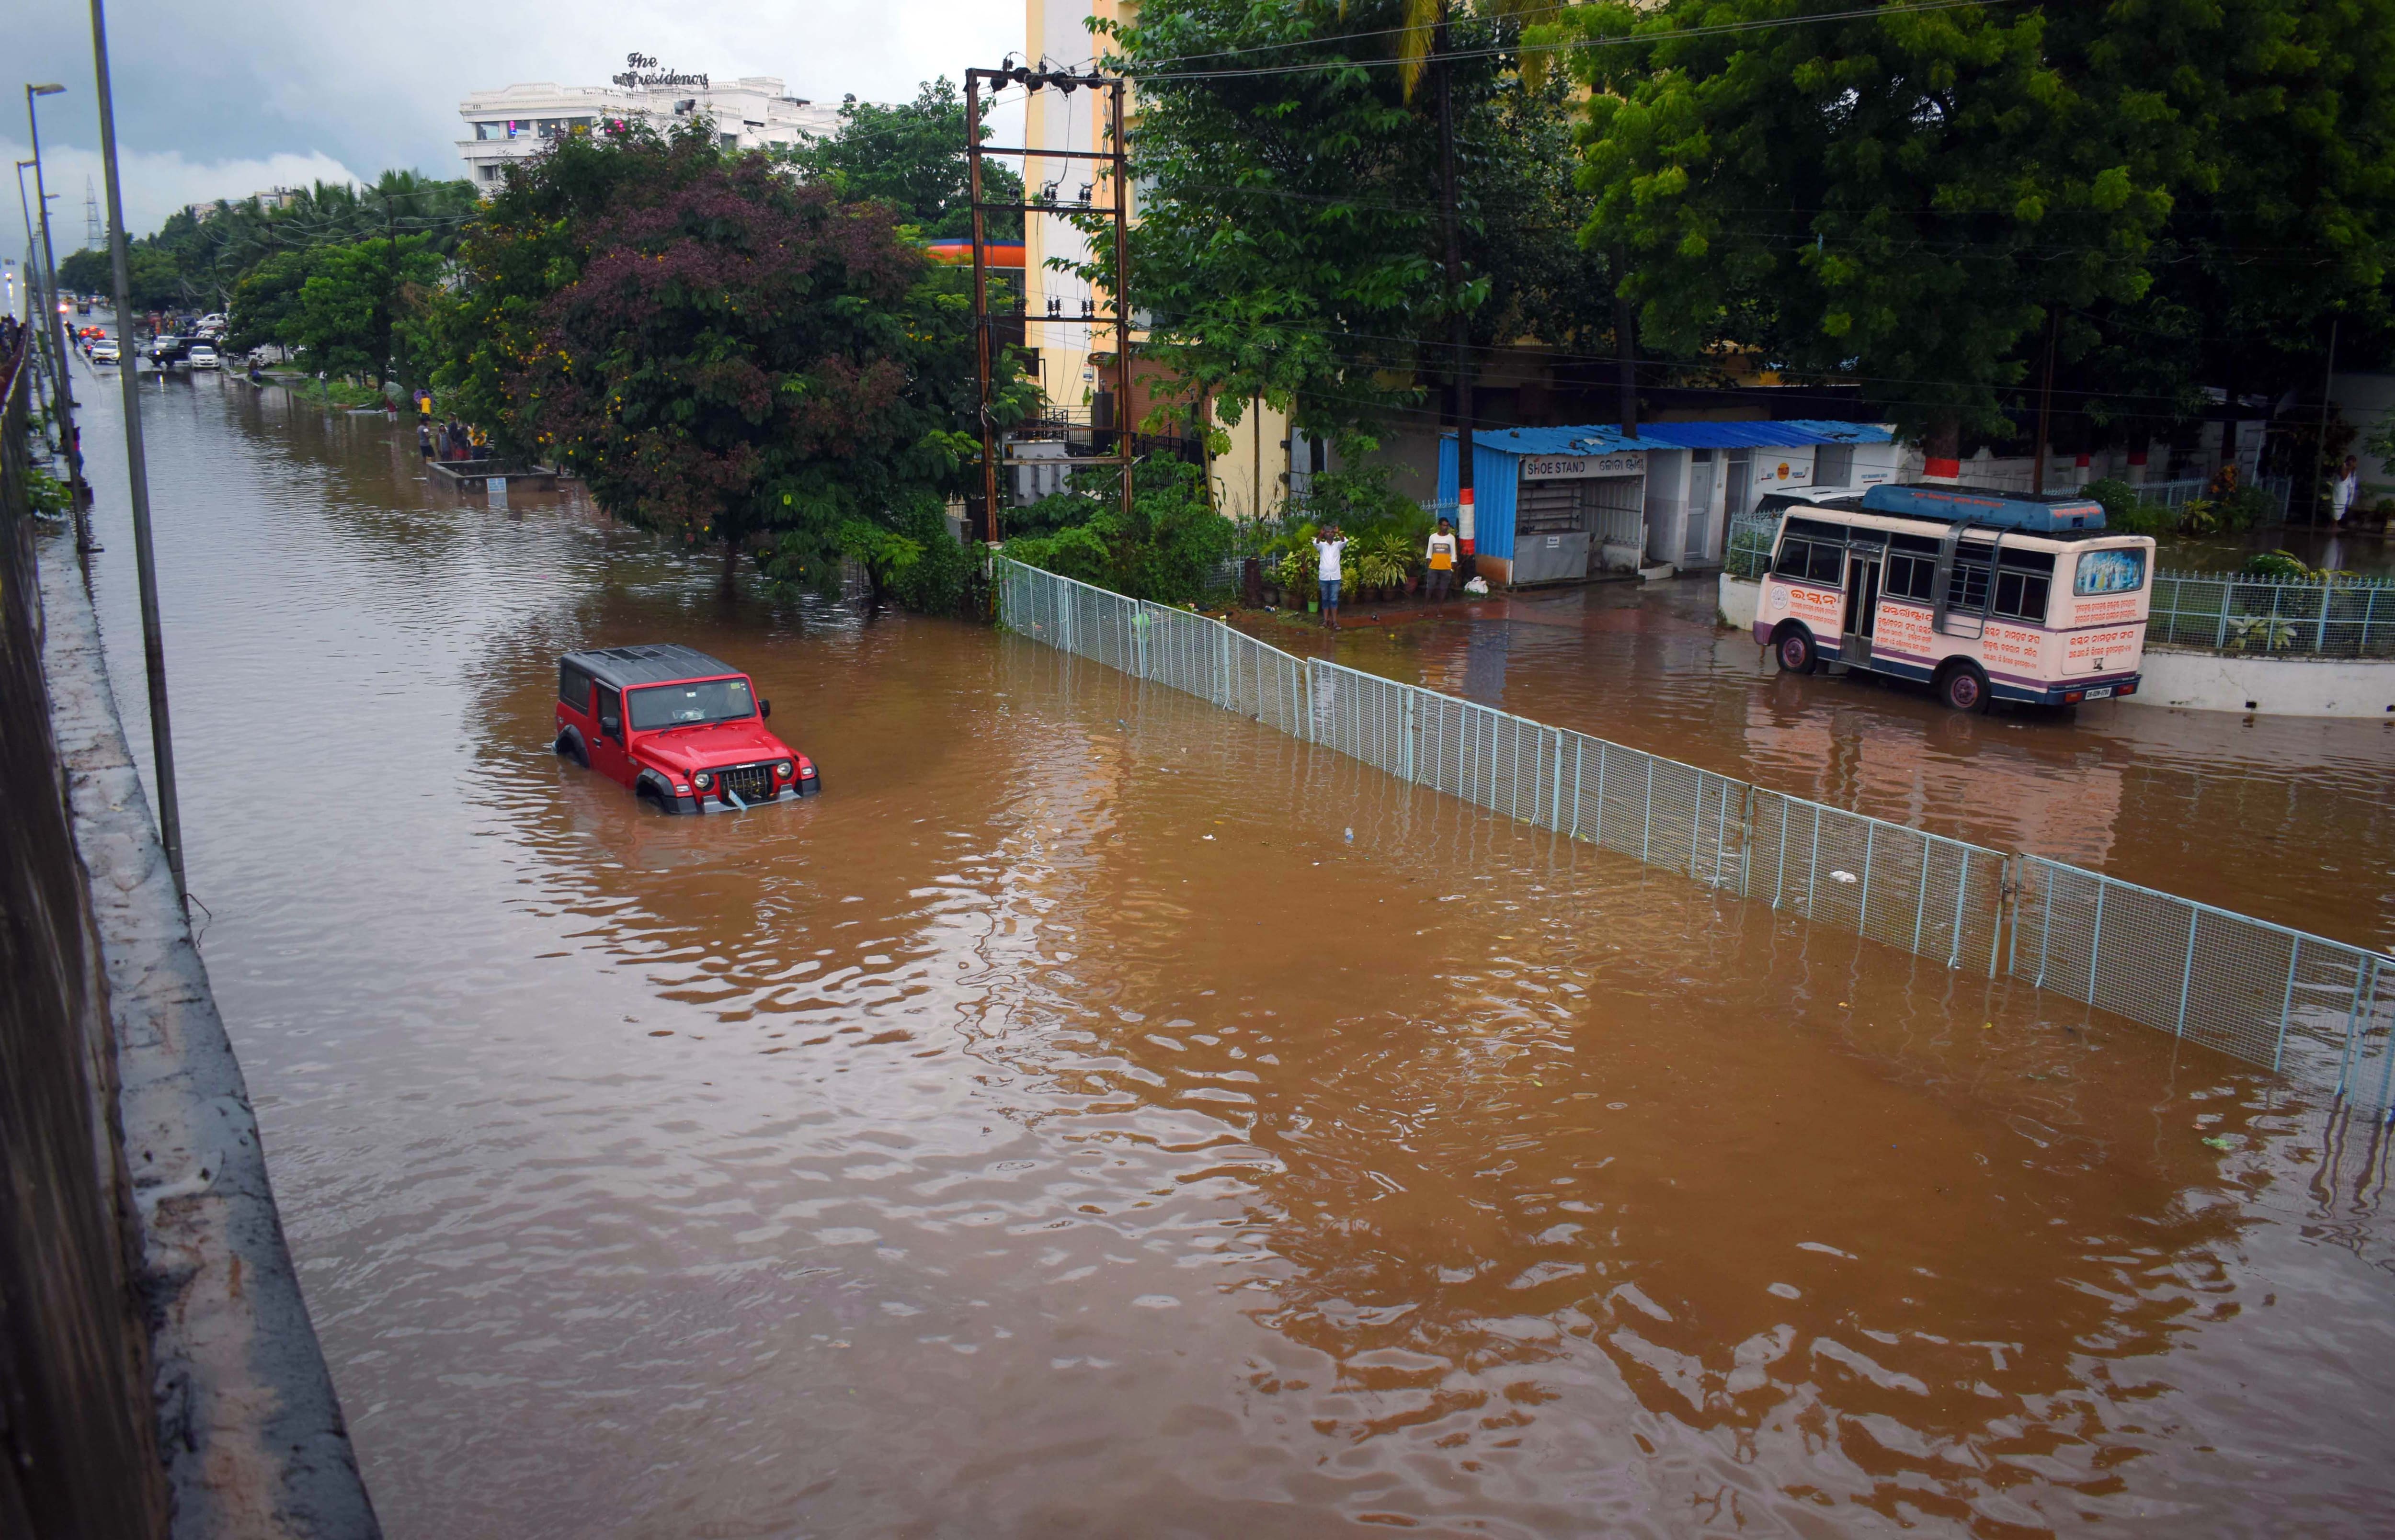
(1329, 544)
(1439, 556)
(2348, 486)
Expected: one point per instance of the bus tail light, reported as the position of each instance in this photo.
(2071, 697)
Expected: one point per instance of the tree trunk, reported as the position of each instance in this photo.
(1941, 447)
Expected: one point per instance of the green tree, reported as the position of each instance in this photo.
(911, 156)
(265, 307)
(85, 272)
(1905, 197)
(722, 353)
(1289, 243)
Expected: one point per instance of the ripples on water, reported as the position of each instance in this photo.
(1059, 1127)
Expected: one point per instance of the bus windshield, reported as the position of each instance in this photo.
(688, 704)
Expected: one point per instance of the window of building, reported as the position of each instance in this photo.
(1833, 465)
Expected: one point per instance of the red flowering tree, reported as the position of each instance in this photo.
(723, 352)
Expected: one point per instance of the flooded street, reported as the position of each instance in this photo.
(1097, 1114)
(2287, 819)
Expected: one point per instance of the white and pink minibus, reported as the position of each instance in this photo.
(1983, 595)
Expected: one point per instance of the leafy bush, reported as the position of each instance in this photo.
(2283, 564)
(919, 565)
(1167, 549)
(1357, 498)
(2125, 511)
(1383, 560)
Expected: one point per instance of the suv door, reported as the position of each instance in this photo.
(608, 756)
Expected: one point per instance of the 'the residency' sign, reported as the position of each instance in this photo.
(1556, 468)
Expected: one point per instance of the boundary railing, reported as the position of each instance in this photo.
(2257, 992)
(2342, 617)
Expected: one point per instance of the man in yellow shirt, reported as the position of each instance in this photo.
(1440, 553)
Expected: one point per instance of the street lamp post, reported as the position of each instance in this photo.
(137, 473)
(80, 491)
(36, 303)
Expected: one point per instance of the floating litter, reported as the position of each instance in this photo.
(1842, 876)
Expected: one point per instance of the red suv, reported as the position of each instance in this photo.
(682, 730)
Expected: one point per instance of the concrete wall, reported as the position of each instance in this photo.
(2203, 681)
(77, 1454)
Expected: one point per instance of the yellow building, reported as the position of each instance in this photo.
(1076, 360)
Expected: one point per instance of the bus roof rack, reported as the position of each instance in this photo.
(2047, 512)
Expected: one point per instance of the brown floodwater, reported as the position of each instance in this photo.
(1096, 1114)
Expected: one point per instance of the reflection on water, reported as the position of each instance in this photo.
(1061, 1125)
(2286, 818)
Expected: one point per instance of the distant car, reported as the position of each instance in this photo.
(682, 730)
(201, 356)
(104, 351)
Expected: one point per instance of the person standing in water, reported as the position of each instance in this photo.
(1330, 544)
(1440, 554)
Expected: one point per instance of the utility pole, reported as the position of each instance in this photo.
(80, 493)
(2319, 451)
(2046, 413)
(1458, 326)
(136, 475)
(1117, 159)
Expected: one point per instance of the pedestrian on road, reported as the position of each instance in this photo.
(424, 440)
(1440, 553)
(1329, 544)
(453, 440)
(2347, 487)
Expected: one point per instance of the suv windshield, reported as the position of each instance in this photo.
(682, 704)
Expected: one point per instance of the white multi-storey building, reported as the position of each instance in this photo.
(518, 121)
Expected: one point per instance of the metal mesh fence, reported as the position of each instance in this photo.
(2343, 618)
(2318, 1010)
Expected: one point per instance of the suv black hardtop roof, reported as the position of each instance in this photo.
(658, 662)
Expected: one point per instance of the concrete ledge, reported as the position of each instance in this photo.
(2268, 687)
(2202, 681)
(1741, 599)
(248, 1425)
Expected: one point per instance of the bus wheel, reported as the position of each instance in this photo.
(1963, 687)
(1794, 650)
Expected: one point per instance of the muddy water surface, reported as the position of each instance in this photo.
(1097, 1115)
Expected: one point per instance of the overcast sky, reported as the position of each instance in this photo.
(217, 100)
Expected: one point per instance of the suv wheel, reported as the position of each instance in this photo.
(570, 747)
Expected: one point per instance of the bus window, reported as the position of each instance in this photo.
(2114, 571)
(1911, 577)
(1829, 564)
(1794, 557)
(2021, 595)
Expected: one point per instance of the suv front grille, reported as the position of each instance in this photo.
(753, 783)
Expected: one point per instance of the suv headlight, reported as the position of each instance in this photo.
(702, 779)
(781, 772)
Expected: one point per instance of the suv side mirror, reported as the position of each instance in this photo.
(612, 725)
(764, 707)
